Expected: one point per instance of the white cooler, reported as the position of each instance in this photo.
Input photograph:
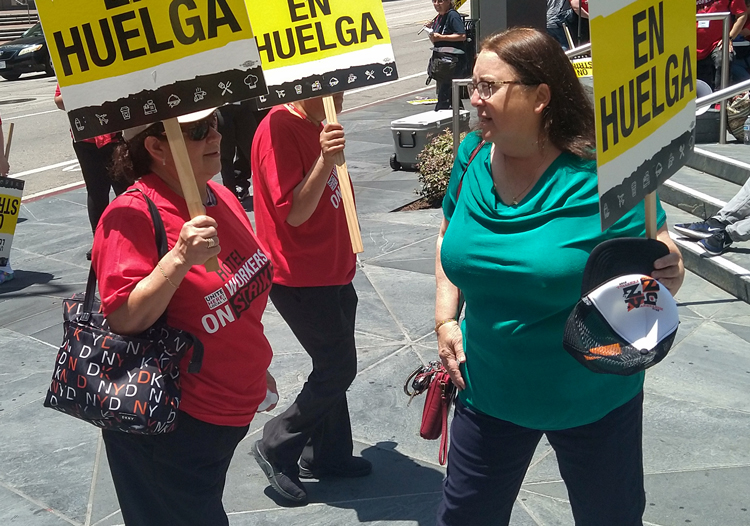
(411, 134)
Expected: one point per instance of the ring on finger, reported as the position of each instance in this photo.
(212, 242)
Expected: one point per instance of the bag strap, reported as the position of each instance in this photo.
(471, 158)
(461, 299)
(160, 237)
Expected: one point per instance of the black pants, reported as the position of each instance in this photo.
(175, 479)
(95, 163)
(316, 426)
(601, 464)
(237, 125)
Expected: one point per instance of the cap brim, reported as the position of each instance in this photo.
(182, 119)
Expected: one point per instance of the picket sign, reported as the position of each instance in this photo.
(644, 100)
(11, 192)
(10, 139)
(187, 177)
(347, 195)
(126, 63)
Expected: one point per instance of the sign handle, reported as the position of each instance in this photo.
(650, 203)
(187, 178)
(347, 196)
(10, 139)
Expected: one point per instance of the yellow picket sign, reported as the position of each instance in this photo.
(583, 67)
(644, 96)
(311, 48)
(11, 191)
(123, 63)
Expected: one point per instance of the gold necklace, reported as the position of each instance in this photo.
(514, 199)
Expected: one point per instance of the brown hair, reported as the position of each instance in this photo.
(537, 58)
(131, 160)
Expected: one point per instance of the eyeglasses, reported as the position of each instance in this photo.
(486, 88)
(199, 130)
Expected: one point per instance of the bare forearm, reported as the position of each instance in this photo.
(150, 297)
(59, 102)
(737, 27)
(456, 37)
(446, 293)
(306, 195)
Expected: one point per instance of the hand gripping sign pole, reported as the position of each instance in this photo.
(347, 196)
(187, 177)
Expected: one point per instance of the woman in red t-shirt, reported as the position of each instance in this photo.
(178, 477)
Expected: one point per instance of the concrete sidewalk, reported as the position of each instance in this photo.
(54, 472)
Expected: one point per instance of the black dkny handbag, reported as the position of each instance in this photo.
(118, 382)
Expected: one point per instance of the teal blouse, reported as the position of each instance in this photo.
(520, 269)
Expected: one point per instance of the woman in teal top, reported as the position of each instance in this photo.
(517, 231)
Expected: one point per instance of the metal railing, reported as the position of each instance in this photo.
(726, 19)
(721, 95)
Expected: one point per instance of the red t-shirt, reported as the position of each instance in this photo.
(710, 34)
(318, 252)
(223, 309)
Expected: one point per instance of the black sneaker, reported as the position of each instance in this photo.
(701, 229)
(287, 485)
(88, 254)
(717, 243)
(352, 467)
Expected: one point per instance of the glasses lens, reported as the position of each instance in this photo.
(197, 131)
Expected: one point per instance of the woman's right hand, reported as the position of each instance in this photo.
(451, 351)
(192, 247)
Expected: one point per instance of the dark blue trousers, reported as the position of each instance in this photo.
(601, 464)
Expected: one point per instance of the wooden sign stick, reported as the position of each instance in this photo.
(187, 178)
(10, 139)
(347, 196)
(650, 203)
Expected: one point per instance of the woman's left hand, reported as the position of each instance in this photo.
(669, 270)
(271, 386)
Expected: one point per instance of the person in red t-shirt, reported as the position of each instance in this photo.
(300, 218)
(178, 477)
(709, 34)
(95, 157)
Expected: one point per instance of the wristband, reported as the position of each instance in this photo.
(441, 323)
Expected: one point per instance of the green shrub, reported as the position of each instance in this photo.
(434, 164)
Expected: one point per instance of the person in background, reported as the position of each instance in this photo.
(558, 15)
(709, 46)
(517, 231)
(95, 158)
(729, 225)
(237, 125)
(448, 35)
(4, 166)
(581, 7)
(300, 217)
(177, 478)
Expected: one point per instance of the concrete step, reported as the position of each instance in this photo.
(697, 193)
(728, 271)
(712, 177)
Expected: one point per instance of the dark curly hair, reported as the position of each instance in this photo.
(131, 160)
(537, 58)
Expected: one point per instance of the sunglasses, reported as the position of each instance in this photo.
(199, 130)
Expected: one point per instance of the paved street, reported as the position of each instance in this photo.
(53, 471)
